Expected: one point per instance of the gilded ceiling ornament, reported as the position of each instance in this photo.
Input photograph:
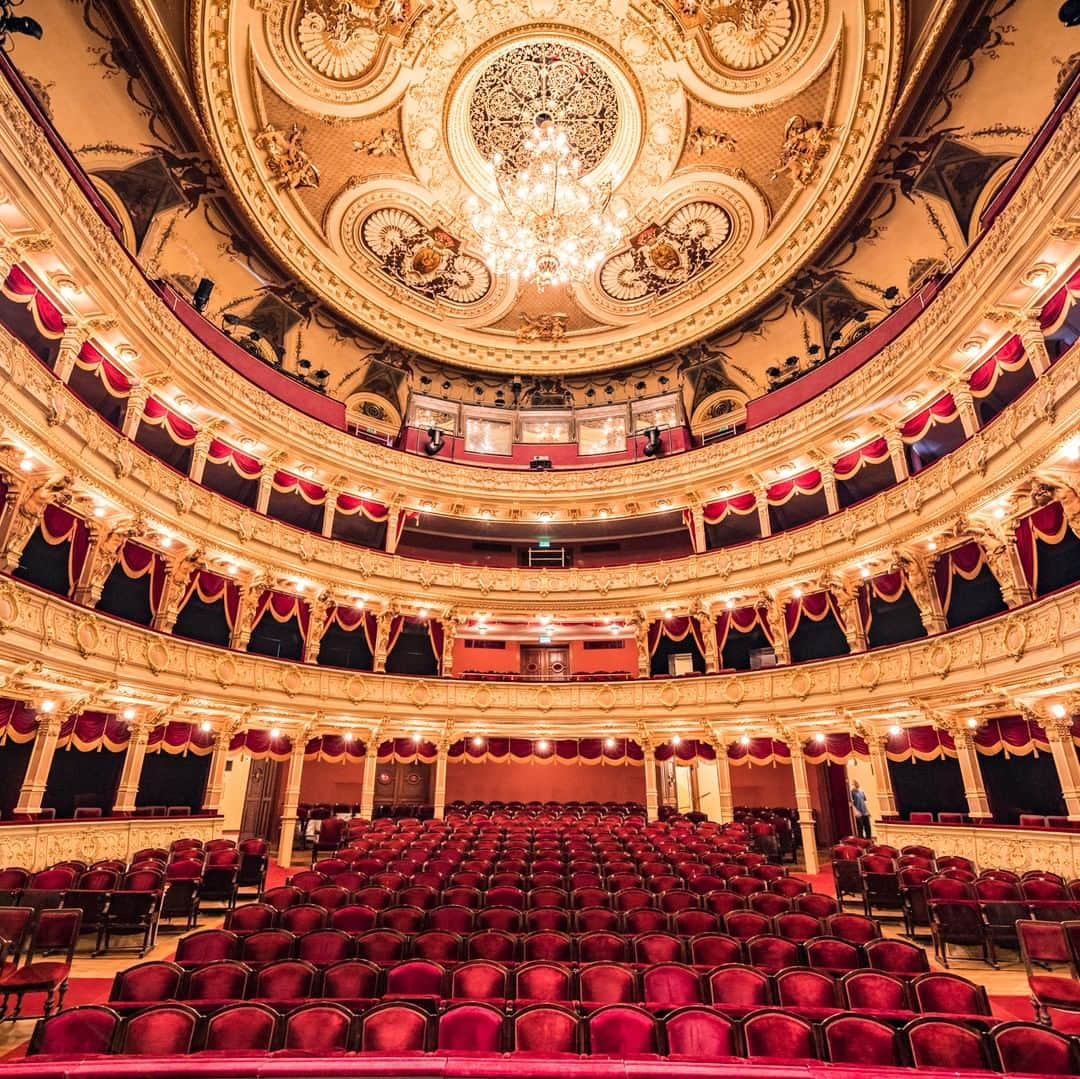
(541, 327)
(806, 145)
(539, 81)
(427, 261)
(286, 157)
(745, 34)
(387, 143)
(339, 38)
(663, 257)
(703, 139)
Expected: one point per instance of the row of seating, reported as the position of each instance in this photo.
(322, 946)
(622, 1031)
(659, 986)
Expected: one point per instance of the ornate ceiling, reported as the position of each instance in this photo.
(353, 134)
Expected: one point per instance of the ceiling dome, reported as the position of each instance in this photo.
(732, 137)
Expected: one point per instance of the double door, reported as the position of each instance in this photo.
(545, 662)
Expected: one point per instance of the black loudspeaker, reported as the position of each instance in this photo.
(21, 24)
(434, 442)
(1070, 13)
(652, 442)
(202, 295)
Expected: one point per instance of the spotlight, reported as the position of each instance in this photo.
(609, 743)
(201, 300)
(128, 714)
(434, 442)
(205, 726)
(275, 732)
(478, 742)
(652, 442)
(895, 729)
(1069, 14)
(18, 24)
(542, 746)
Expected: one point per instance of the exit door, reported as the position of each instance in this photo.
(545, 662)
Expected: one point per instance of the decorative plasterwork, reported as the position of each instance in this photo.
(1047, 197)
(638, 65)
(877, 688)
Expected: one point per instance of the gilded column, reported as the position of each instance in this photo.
(215, 777)
(393, 526)
(723, 783)
(266, 485)
(329, 509)
(382, 640)
(1059, 735)
(291, 800)
(245, 613)
(804, 805)
(439, 798)
(851, 613)
(70, 346)
(371, 769)
(41, 758)
(199, 452)
(877, 743)
(127, 790)
(178, 575)
(965, 405)
(708, 637)
(974, 788)
(761, 502)
(919, 576)
(697, 529)
(828, 483)
(103, 550)
(450, 626)
(641, 636)
(1003, 558)
(897, 455)
(1034, 341)
(774, 615)
(23, 509)
(317, 624)
(133, 410)
(652, 801)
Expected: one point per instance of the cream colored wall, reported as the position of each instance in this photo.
(683, 789)
(864, 773)
(322, 781)
(234, 788)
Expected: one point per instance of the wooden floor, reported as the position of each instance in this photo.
(91, 978)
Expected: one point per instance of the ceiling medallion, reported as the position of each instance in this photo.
(339, 38)
(744, 34)
(552, 224)
(553, 80)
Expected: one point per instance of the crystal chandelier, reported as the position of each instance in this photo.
(551, 225)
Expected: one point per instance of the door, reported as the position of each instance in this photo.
(403, 784)
(545, 662)
(262, 801)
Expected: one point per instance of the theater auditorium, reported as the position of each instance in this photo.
(539, 539)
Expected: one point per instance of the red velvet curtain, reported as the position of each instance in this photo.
(559, 751)
(808, 483)
(180, 738)
(759, 751)
(1048, 524)
(259, 745)
(47, 316)
(964, 561)
(221, 453)
(18, 722)
(1056, 309)
(1009, 357)
(1011, 735)
(115, 382)
(688, 750)
(925, 743)
(287, 484)
(741, 504)
(177, 428)
(335, 749)
(676, 629)
(93, 731)
(137, 561)
(836, 748)
(211, 587)
(815, 606)
(351, 505)
(282, 608)
(887, 587)
(407, 751)
(742, 620)
(436, 636)
(943, 410)
(60, 526)
(873, 453)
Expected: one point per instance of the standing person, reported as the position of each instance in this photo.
(862, 813)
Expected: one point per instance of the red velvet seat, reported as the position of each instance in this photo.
(771, 953)
(55, 931)
(796, 926)
(896, 957)
(438, 945)
(79, 1032)
(746, 885)
(832, 954)
(945, 1043)
(544, 981)
(657, 948)
(381, 945)
(779, 1036)
(738, 986)
(506, 919)
(324, 946)
(470, 1028)
(874, 990)
(419, 896)
(303, 918)
(858, 1039)
(160, 1031)
(267, 946)
(793, 888)
(317, 1029)
(153, 981)
(800, 987)
(714, 949)
(855, 928)
(622, 1031)
(401, 919)
(351, 979)
(480, 979)
(241, 1028)
(250, 918)
(670, 985)
(938, 992)
(395, 1028)
(450, 918)
(545, 1030)
(547, 918)
(1029, 1047)
(769, 903)
(596, 920)
(282, 898)
(607, 983)
(493, 944)
(353, 919)
(744, 924)
(287, 979)
(330, 896)
(548, 897)
(374, 896)
(698, 1033)
(415, 979)
(224, 979)
(556, 947)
